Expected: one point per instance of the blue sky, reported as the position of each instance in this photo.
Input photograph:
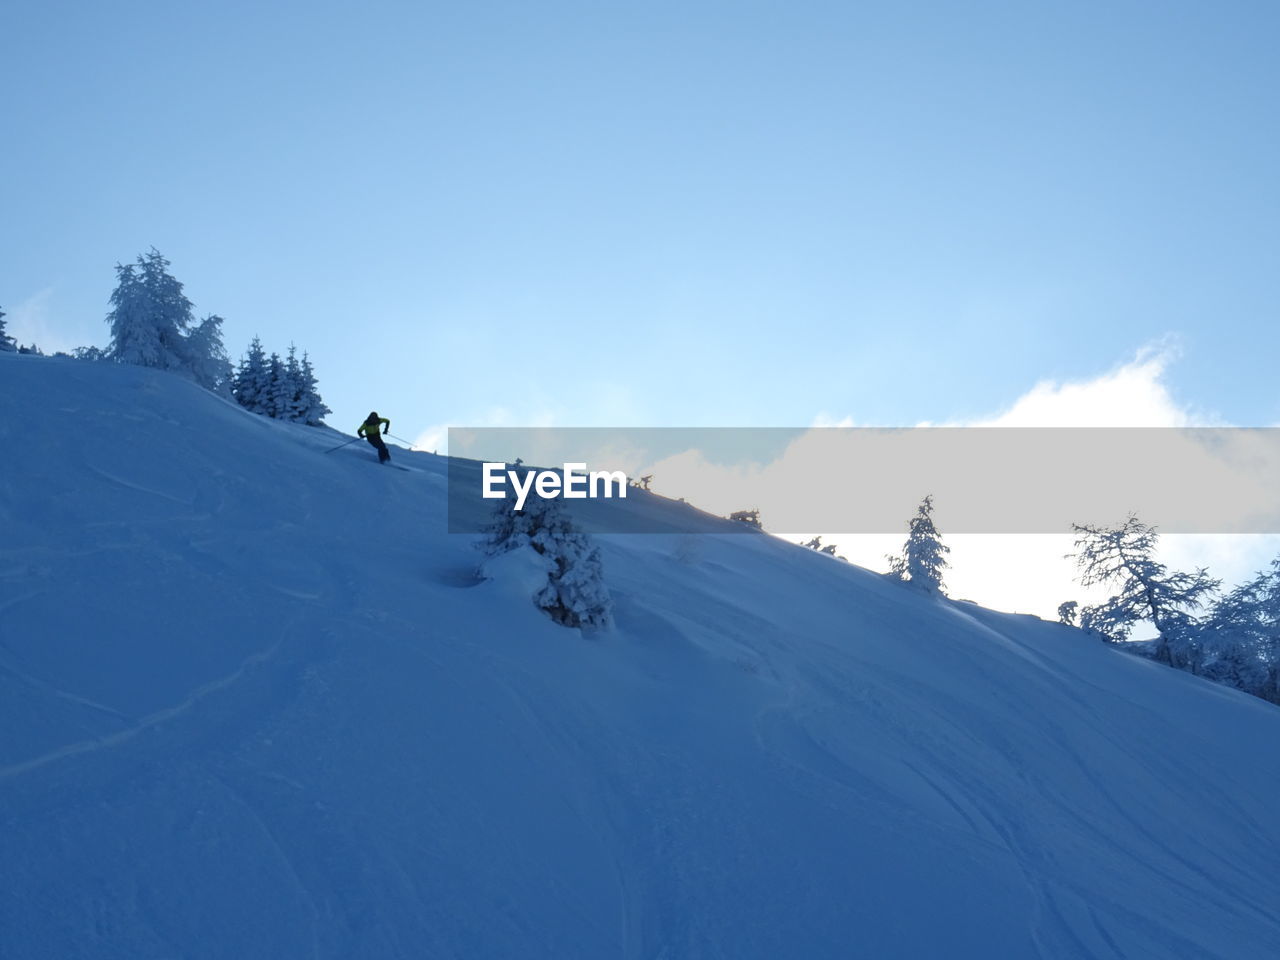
(663, 214)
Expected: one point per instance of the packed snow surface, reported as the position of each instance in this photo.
(256, 705)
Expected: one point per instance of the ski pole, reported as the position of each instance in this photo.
(341, 445)
(402, 440)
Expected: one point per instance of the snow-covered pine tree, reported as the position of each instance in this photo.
(7, 343)
(276, 398)
(292, 397)
(924, 555)
(1124, 557)
(136, 336)
(1239, 639)
(152, 325)
(1067, 612)
(250, 388)
(149, 316)
(575, 594)
(207, 358)
(284, 389)
(313, 407)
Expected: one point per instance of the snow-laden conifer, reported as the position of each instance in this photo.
(279, 390)
(291, 397)
(152, 325)
(250, 387)
(1123, 558)
(312, 409)
(285, 389)
(7, 343)
(924, 555)
(206, 358)
(1239, 639)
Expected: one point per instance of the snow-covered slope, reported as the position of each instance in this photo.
(255, 705)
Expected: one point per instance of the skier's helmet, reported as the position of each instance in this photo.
(374, 415)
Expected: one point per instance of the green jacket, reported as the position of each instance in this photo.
(372, 427)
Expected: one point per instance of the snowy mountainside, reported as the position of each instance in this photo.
(255, 704)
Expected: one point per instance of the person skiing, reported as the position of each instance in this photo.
(372, 430)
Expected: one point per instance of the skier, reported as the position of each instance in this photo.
(372, 430)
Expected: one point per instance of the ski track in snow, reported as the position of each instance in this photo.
(285, 861)
(146, 723)
(140, 488)
(9, 668)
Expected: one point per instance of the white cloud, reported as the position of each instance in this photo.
(823, 420)
(1132, 395)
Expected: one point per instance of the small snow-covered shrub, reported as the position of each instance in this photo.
(574, 593)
